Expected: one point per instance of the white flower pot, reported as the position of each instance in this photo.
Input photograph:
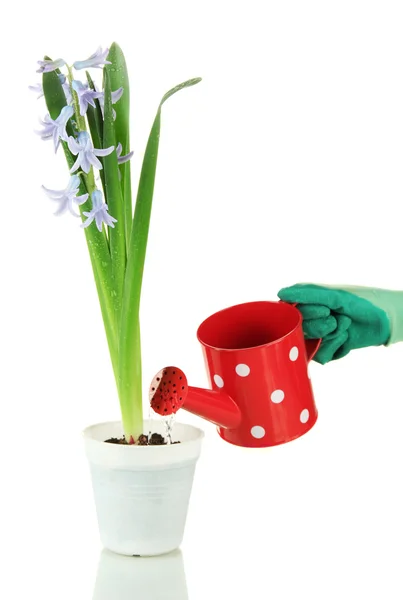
(142, 492)
(152, 578)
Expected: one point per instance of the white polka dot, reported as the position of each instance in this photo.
(219, 381)
(304, 416)
(258, 432)
(242, 370)
(277, 396)
(294, 353)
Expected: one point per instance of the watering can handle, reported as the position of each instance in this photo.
(312, 346)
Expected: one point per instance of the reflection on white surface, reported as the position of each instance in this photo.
(154, 578)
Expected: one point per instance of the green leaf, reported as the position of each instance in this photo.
(130, 384)
(97, 122)
(180, 87)
(119, 77)
(114, 198)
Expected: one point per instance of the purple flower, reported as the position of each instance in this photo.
(125, 158)
(98, 59)
(37, 88)
(116, 95)
(87, 154)
(99, 212)
(85, 95)
(68, 197)
(46, 66)
(56, 130)
(66, 87)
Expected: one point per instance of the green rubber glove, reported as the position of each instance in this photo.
(347, 317)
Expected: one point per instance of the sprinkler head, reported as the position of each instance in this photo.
(168, 391)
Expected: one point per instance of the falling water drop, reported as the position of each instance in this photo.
(169, 424)
(149, 421)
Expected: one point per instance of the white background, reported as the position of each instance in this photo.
(285, 164)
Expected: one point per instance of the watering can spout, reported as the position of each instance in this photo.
(217, 407)
(169, 391)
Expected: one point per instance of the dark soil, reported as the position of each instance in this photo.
(156, 439)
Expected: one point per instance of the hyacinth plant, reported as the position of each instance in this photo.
(91, 125)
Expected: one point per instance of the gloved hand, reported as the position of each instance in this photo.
(347, 317)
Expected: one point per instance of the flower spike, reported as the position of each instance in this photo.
(67, 197)
(96, 60)
(86, 153)
(99, 212)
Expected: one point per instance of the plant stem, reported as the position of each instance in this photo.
(91, 187)
(79, 119)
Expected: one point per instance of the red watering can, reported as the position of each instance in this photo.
(257, 361)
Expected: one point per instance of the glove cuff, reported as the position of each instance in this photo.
(390, 301)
